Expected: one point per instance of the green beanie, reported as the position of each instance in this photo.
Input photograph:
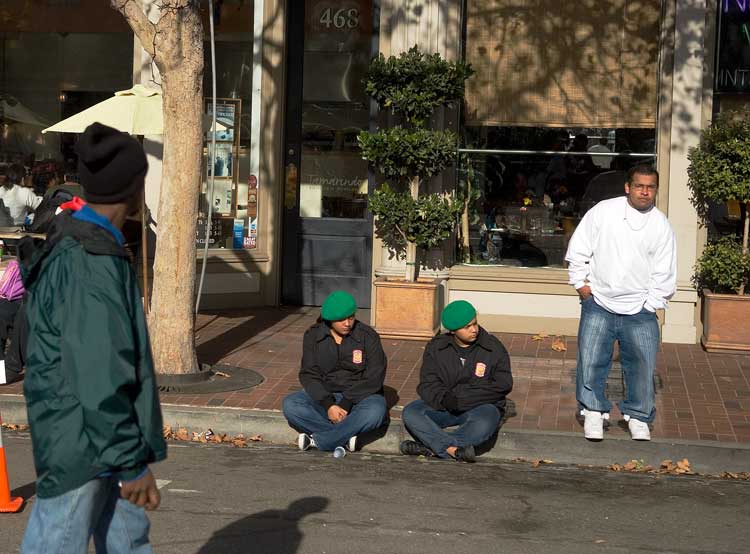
(458, 314)
(339, 305)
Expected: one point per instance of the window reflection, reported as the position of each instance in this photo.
(528, 200)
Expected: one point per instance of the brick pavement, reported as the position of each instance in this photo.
(699, 396)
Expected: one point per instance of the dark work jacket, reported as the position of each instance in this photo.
(355, 368)
(485, 378)
(90, 390)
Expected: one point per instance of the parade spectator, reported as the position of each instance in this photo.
(90, 388)
(622, 262)
(19, 199)
(464, 380)
(343, 369)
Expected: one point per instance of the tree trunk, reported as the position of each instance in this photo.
(411, 248)
(176, 45)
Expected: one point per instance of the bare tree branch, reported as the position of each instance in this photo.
(133, 12)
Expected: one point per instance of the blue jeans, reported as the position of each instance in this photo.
(427, 426)
(308, 416)
(64, 524)
(638, 337)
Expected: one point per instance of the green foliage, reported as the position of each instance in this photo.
(722, 268)
(720, 167)
(412, 86)
(414, 83)
(400, 154)
(720, 171)
(427, 221)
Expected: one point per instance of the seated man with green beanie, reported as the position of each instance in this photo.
(342, 372)
(464, 379)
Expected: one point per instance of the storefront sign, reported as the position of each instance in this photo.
(238, 233)
(251, 240)
(252, 196)
(733, 47)
(214, 238)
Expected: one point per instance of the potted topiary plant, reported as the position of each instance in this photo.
(407, 155)
(719, 173)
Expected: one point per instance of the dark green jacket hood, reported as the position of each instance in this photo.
(90, 388)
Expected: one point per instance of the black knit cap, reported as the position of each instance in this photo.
(109, 164)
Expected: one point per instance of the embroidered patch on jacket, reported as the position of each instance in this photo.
(357, 356)
(480, 369)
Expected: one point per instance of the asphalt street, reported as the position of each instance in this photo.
(273, 499)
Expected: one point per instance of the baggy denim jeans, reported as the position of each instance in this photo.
(65, 524)
(308, 416)
(638, 337)
(473, 427)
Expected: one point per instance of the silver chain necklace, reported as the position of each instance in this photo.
(645, 222)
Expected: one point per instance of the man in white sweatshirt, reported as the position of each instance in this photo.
(622, 261)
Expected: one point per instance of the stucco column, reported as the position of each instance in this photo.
(687, 104)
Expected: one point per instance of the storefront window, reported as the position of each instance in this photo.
(54, 63)
(562, 104)
(234, 199)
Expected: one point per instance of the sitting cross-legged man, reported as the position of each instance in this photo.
(343, 369)
(464, 380)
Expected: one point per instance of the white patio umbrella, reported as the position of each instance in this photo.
(136, 111)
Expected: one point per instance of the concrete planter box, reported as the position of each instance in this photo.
(725, 323)
(407, 310)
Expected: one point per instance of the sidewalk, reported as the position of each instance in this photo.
(701, 398)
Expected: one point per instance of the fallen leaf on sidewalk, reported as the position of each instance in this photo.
(558, 345)
(199, 437)
(182, 434)
(221, 374)
(537, 463)
(599, 541)
(683, 466)
(540, 336)
(630, 466)
(256, 438)
(667, 465)
(742, 475)
(15, 427)
(615, 467)
(167, 432)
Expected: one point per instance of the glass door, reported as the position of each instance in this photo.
(327, 227)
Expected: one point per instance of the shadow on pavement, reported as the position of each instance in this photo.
(212, 350)
(270, 531)
(26, 492)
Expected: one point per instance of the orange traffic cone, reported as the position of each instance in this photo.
(8, 504)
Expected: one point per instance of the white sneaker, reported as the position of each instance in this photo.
(352, 444)
(639, 430)
(593, 424)
(305, 441)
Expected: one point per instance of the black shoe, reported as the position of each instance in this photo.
(465, 454)
(413, 448)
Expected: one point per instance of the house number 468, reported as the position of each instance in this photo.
(340, 18)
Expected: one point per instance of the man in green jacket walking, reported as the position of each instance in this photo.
(90, 389)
